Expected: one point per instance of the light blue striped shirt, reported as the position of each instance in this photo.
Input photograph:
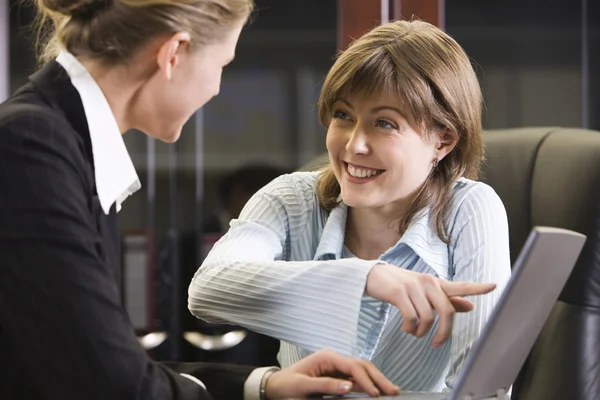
(282, 270)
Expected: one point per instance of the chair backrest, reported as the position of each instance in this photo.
(551, 176)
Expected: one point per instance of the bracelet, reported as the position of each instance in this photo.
(263, 382)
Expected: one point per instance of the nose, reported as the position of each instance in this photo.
(357, 142)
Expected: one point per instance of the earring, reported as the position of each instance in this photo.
(435, 162)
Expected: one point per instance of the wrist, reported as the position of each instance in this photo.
(373, 280)
(264, 392)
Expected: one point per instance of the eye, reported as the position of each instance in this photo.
(339, 114)
(381, 123)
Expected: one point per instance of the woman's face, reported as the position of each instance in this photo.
(171, 98)
(377, 156)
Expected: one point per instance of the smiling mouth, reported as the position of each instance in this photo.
(360, 172)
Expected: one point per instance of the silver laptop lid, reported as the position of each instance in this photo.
(538, 277)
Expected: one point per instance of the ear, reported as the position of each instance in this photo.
(445, 143)
(169, 53)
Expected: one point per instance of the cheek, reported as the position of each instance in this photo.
(418, 162)
(334, 148)
(405, 157)
(328, 141)
(334, 141)
(210, 82)
(200, 86)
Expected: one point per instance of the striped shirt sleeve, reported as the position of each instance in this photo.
(245, 280)
(479, 252)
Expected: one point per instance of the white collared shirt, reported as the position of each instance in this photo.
(115, 174)
(116, 178)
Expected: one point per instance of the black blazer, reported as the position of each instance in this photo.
(63, 331)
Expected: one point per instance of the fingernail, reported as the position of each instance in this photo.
(345, 386)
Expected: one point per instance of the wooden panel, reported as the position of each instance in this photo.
(355, 17)
(431, 11)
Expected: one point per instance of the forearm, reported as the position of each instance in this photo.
(224, 381)
(312, 304)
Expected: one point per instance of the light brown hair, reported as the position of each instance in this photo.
(434, 79)
(113, 30)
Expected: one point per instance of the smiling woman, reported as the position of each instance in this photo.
(412, 79)
(373, 255)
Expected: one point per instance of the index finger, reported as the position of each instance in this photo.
(380, 380)
(453, 289)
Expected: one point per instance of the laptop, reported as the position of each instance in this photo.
(538, 277)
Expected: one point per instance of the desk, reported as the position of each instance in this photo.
(405, 396)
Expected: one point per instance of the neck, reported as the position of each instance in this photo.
(120, 85)
(370, 232)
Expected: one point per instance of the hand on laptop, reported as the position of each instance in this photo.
(327, 372)
(418, 295)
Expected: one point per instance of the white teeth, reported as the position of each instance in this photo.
(362, 173)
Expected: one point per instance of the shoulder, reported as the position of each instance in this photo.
(26, 117)
(288, 205)
(291, 198)
(469, 194)
(34, 133)
(476, 204)
(293, 188)
(25, 101)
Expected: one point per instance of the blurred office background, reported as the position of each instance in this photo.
(538, 62)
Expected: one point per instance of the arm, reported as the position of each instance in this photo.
(323, 372)
(60, 306)
(312, 304)
(480, 254)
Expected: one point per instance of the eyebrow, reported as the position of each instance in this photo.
(375, 109)
(380, 108)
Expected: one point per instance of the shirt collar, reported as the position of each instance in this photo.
(419, 236)
(115, 174)
(332, 238)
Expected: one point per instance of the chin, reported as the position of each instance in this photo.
(356, 200)
(169, 139)
(169, 136)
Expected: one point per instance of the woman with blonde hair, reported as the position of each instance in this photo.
(111, 66)
(373, 255)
